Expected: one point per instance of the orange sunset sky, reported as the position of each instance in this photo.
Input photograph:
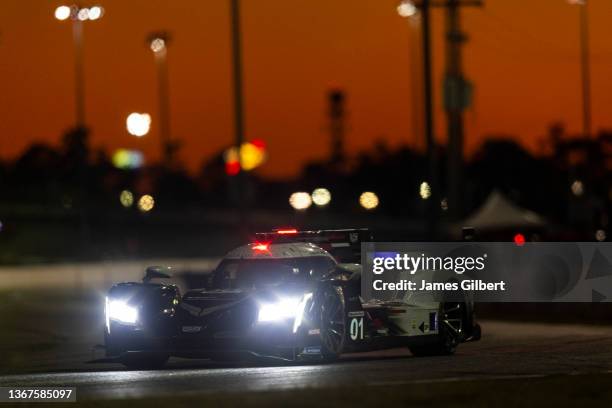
(523, 57)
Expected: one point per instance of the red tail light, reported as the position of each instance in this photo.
(261, 247)
(519, 239)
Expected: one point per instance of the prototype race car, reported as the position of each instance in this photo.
(291, 295)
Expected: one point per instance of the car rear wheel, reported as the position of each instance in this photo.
(450, 332)
(333, 327)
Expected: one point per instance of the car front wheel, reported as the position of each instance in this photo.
(333, 327)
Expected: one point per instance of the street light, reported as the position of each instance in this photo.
(369, 200)
(62, 13)
(425, 190)
(146, 203)
(78, 15)
(241, 181)
(300, 200)
(138, 124)
(126, 198)
(250, 156)
(577, 188)
(406, 8)
(321, 197)
(158, 43)
(95, 12)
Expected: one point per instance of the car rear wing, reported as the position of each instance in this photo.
(342, 244)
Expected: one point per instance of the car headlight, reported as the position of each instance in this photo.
(119, 310)
(285, 309)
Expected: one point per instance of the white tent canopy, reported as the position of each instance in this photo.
(498, 212)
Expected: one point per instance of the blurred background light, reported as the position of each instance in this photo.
(321, 196)
(128, 159)
(138, 124)
(146, 203)
(444, 204)
(577, 188)
(95, 12)
(83, 14)
(406, 9)
(600, 235)
(519, 239)
(62, 13)
(300, 200)
(126, 198)
(368, 200)
(158, 45)
(232, 168)
(252, 155)
(425, 190)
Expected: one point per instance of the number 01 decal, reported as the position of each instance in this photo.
(356, 328)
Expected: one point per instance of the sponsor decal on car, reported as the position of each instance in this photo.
(312, 350)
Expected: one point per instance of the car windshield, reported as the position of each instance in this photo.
(256, 273)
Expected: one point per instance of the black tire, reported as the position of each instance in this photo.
(450, 332)
(333, 323)
(144, 361)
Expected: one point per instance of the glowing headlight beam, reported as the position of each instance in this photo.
(284, 309)
(119, 310)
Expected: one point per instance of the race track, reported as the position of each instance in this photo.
(507, 350)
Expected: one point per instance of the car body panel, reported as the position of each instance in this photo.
(224, 318)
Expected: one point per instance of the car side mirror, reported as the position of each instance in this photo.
(157, 272)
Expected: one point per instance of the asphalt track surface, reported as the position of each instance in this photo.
(507, 350)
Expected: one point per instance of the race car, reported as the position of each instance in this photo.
(289, 295)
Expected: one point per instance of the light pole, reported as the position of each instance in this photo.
(78, 15)
(237, 73)
(457, 91)
(408, 9)
(241, 182)
(584, 65)
(158, 42)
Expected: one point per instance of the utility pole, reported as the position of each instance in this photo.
(164, 105)
(79, 85)
(336, 99)
(408, 9)
(586, 77)
(457, 97)
(79, 136)
(432, 156)
(237, 74)
(238, 112)
(158, 42)
(78, 15)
